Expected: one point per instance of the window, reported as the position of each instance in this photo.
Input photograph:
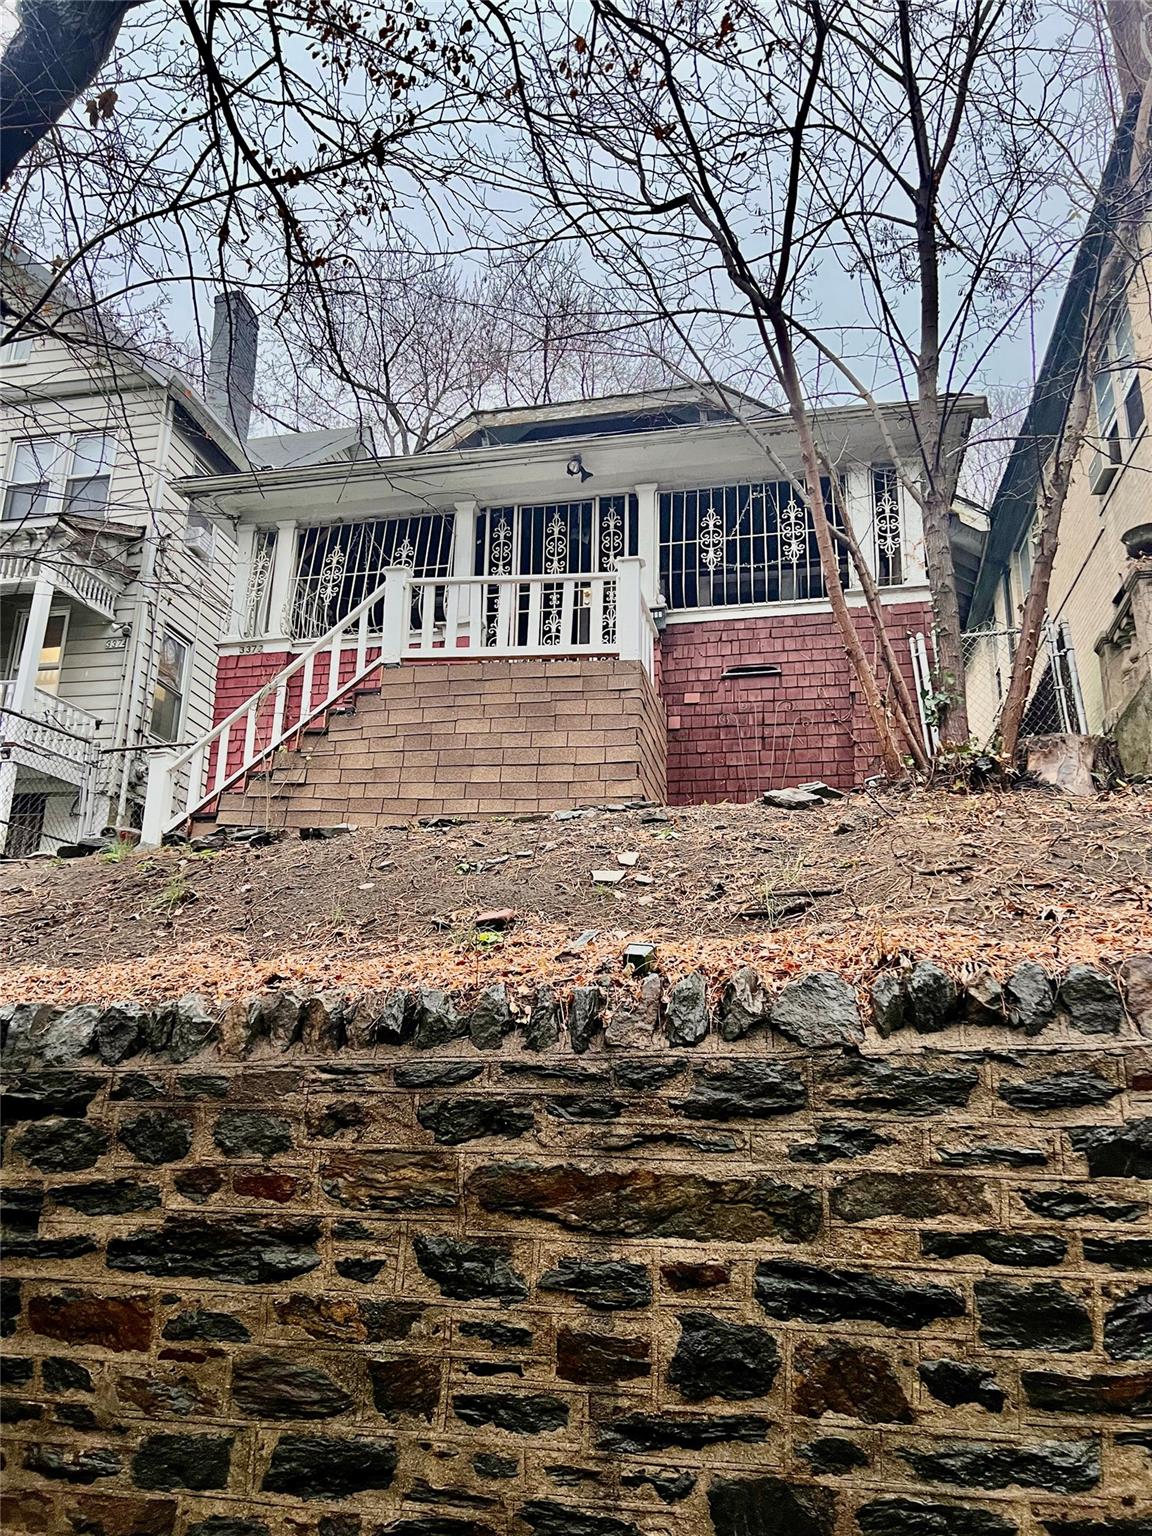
(200, 535)
(25, 825)
(339, 564)
(739, 544)
(51, 652)
(28, 493)
(17, 351)
(171, 679)
(1118, 399)
(86, 489)
(886, 521)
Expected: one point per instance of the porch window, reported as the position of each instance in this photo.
(171, 685)
(886, 523)
(51, 657)
(89, 474)
(33, 465)
(737, 544)
(339, 564)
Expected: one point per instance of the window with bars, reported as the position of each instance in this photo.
(563, 538)
(888, 530)
(339, 564)
(257, 617)
(735, 544)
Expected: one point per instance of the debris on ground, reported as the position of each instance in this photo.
(882, 875)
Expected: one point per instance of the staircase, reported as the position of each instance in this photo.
(468, 696)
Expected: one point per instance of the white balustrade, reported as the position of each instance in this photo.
(50, 733)
(446, 619)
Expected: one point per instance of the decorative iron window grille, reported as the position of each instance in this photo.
(566, 538)
(258, 618)
(886, 522)
(339, 564)
(735, 544)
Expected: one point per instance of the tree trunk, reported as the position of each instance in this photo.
(1036, 602)
(54, 55)
(790, 378)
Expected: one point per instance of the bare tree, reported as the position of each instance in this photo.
(432, 338)
(912, 155)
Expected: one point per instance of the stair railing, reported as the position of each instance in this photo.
(446, 618)
(183, 782)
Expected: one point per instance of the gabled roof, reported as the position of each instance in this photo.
(1014, 504)
(289, 450)
(641, 410)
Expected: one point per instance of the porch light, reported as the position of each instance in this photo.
(575, 467)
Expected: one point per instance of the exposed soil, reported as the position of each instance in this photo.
(993, 877)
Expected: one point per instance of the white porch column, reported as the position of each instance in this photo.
(283, 570)
(458, 609)
(862, 516)
(24, 688)
(241, 579)
(648, 540)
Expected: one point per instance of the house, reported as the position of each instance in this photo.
(582, 602)
(1094, 669)
(114, 592)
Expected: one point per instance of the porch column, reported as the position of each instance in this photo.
(459, 607)
(283, 570)
(241, 580)
(648, 541)
(862, 516)
(24, 687)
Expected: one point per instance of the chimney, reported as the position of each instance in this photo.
(232, 362)
(1130, 22)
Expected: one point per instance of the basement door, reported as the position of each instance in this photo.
(561, 539)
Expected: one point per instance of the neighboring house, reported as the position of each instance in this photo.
(589, 601)
(1094, 668)
(114, 593)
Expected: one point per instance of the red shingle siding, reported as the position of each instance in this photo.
(729, 739)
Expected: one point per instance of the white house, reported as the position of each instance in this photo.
(113, 592)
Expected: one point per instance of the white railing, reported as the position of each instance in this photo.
(59, 736)
(447, 620)
(71, 577)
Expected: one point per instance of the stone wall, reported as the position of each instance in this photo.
(636, 1259)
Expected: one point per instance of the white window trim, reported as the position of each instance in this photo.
(20, 629)
(185, 680)
(61, 474)
(15, 353)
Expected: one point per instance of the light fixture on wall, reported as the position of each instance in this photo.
(576, 467)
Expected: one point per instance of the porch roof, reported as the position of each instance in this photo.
(710, 453)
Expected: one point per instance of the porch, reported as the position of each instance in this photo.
(598, 624)
(49, 756)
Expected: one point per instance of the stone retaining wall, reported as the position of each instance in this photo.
(630, 1260)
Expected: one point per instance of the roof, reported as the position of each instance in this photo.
(1014, 504)
(640, 410)
(287, 450)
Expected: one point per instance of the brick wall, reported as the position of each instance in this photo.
(729, 739)
(667, 1264)
(471, 738)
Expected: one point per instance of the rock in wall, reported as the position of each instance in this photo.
(586, 1265)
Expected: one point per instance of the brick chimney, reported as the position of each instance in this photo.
(1130, 22)
(232, 362)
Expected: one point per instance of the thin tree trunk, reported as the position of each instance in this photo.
(906, 711)
(790, 378)
(1036, 602)
(54, 55)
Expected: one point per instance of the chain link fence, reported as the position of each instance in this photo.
(1054, 703)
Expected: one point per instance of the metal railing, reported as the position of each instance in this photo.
(403, 618)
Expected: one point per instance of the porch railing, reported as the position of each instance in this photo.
(59, 735)
(458, 618)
